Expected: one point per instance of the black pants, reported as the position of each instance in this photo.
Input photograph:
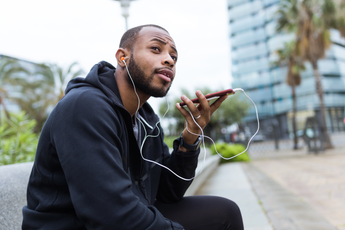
(203, 213)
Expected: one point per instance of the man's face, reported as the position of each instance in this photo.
(152, 62)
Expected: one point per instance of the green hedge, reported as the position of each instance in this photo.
(169, 140)
(230, 150)
(18, 142)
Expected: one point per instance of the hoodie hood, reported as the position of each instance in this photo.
(101, 76)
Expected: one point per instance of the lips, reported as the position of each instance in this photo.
(165, 74)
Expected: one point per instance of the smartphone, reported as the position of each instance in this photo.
(212, 96)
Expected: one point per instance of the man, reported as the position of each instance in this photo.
(95, 168)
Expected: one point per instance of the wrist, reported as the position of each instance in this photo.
(189, 136)
(191, 145)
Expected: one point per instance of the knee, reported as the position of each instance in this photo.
(227, 206)
(229, 212)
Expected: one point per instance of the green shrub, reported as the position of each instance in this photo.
(18, 142)
(169, 140)
(230, 150)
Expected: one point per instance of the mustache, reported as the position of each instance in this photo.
(162, 68)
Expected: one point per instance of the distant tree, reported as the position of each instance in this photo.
(287, 57)
(40, 89)
(59, 77)
(340, 17)
(8, 67)
(231, 111)
(311, 21)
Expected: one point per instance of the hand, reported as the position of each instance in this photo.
(201, 113)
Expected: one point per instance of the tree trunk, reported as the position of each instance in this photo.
(294, 128)
(327, 144)
(4, 108)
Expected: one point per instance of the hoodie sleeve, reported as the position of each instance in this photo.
(171, 187)
(86, 134)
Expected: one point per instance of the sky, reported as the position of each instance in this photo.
(89, 31)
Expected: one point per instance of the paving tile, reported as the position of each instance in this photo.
(231, 182)
(284, 209)
(291, 190)
(323, 177)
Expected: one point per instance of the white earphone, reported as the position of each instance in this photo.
(202, 132)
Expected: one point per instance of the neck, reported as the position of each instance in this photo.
(127, 93)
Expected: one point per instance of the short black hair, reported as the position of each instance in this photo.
(130, 36)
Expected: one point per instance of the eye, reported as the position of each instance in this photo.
(174, 58)
(156, 48)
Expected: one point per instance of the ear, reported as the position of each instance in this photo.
(121, 54)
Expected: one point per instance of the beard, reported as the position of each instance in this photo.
(143, 82)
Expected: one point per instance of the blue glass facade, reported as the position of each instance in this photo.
(254, 42)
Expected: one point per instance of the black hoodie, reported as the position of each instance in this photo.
(88, 172)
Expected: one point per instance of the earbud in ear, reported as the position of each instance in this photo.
(123, 58)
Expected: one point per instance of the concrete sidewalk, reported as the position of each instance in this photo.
(316, 188)
(230, 181)
(299, 191)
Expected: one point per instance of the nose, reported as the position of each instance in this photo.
(168, 61)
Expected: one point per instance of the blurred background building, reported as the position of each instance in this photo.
(254, 42)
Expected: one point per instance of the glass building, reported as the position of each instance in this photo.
(254, 42)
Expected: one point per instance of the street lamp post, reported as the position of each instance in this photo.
(125, 9)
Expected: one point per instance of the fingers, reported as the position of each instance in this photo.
(204, 105)
(203, 111)
(195, 113)
(199, 116)
(192, 108)
(217, 103)
(181, 109)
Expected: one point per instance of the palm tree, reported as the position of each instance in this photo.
(40, 89)
(2, 103)
(35, 98)
(340, 16)
(59, 76)
(311, 21)
(287, 57)
(8, 67)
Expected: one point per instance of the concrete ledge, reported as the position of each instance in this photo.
(203, 172)
(14, 179)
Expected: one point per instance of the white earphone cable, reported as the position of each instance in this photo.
(146, 136)
(202, 132)
(214, 144)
